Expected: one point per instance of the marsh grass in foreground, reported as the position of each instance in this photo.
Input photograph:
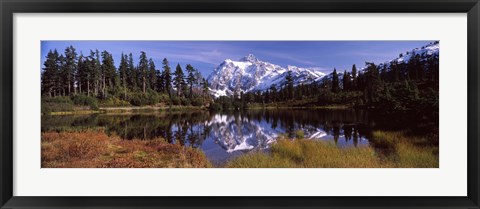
(301, 153)
(94, 149)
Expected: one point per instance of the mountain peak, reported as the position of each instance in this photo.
(250, 74)
(249, 58)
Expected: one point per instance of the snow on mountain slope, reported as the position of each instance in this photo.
(236, 134)
(425, 52)
(431, 49)
(250, 74)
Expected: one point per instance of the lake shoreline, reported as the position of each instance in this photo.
(131, 109)
(139, 109)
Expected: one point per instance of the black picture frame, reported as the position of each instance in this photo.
(9, 7)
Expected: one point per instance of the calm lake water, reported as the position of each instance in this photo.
(222, 136)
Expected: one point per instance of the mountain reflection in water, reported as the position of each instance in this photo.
(222, 136)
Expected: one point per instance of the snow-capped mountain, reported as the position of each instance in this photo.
(250, 74)
(425, 52)
(429, 50)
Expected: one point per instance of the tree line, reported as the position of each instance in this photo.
(95, 75)
(394, 85)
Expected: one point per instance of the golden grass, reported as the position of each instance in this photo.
(150, 108)
(408, 154)
(77, 112)
(301, 153)
(94, 149)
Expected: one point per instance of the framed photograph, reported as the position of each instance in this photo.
(238, 104)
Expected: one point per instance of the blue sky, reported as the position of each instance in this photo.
(206, 55)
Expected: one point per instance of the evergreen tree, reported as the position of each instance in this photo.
(383, 73)
(289, 83)
(184, 87)
(49, 75)
(198, 81)
(395, 71)
(58, 76)
(123, 73)
(273, 93)
(152, 74)
(81, 75)
(432, 64)
(167, 77)
(360, 81)
(299, 92)
(109, 73)
(335, 84)
(413, 66)
(70, 66)
(131, 73)
(191, 79)
(373, 83)
(354, 76)
(143, 69)
(346, 81)
(179, 80)
(205, 89)
(95, 73)
(89, 78)
(420, 71)
(160, 85)
(62, 78)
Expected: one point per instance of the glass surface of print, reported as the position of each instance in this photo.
(240, 104)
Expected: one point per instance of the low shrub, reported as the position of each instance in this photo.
(175, 101)
(114, 102)
(56, 104)
(94, 149)
(150, 97)
(62, 147)
(59, 99)
(84, 100)
(196, 102)
(137, 99)
(184, 101)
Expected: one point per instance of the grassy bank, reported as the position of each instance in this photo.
(83, 104)
(132, 109)
(227, 103)
(300, 153)
(77, 112)
(151, 108)
(94, 149)
(278, 106)
(309, 103)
